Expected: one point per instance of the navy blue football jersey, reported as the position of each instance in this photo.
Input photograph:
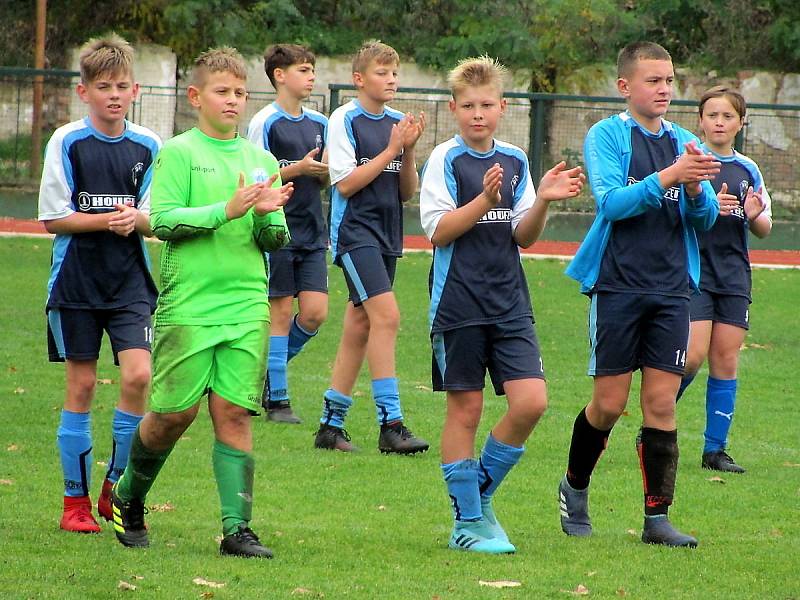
(289, 139)
(724, 258)
(478, 278)
(373, 215)
(88, 172)
(647, 253)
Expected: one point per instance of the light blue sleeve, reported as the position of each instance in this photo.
(606, 165)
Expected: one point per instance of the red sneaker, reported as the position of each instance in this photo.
(77, 515)
(104, 503)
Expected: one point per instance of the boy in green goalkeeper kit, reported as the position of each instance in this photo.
(216, 202)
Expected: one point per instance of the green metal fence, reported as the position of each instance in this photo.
(549, 127)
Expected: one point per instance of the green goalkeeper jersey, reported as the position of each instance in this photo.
(212, 270)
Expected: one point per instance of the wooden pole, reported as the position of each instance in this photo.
(38, 90)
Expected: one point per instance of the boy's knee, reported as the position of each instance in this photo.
(387, 318)
(609, 407)
(312, 320)
(136, 380)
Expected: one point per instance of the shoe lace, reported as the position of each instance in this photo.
(134, 512)
(245, 534)
(404, 432)
(344, 434)
(726, 457)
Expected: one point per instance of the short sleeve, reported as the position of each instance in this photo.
(341, 146)
(55, 190)
(524, 194)
(438, 191)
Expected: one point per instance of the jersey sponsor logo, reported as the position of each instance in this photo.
(203, 170)
(392, 167)
(283, 163)
(739, 210)
(259, 175)
(496, 215)
(87, 201)
(136, 173)
(514, 182)
(673, 193)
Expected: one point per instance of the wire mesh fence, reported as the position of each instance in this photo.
(548, 127)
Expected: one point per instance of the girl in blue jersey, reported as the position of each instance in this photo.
(720, 313)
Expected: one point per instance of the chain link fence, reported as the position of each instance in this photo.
(548, 127)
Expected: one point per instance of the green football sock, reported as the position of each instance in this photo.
(141, 471)
(233, 470)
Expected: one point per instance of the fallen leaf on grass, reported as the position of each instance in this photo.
(12, 369)
(19, 390)
(381, 507)
(790, 464)
(423, 388)
(755, 346)
(591, 573)
(301, 590)
(625, 413)
(499, 584)
(776, 533)
(124, 585)
(166, 507)
(105, 381)
(207, 595)
(581, 590)
(207, 583)
(621, 592)
(631, 532)
(102, 463)
(12, 448)
(716, 479)
(358, 394)
(172, 544)
(137, 577)
(6, 482)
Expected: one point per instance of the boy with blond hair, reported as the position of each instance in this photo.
(216, 203)
(371, 163)
(478, 206)
(296, 136)
(95, 197)
(637, 263)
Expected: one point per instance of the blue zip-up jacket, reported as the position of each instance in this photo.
(607, 156)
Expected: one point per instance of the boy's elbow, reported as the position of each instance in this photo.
(50, 227)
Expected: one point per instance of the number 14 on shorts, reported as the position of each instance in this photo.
(680, 358)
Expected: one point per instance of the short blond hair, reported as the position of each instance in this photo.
(477, 72)
(218, 60)
(374, 50)
(109, 55)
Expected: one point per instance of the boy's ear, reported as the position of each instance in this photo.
(193, 93)
(452, 105)
(82, 92)
(358, 79)
(503, 105)
(279, 75)
(623, 87)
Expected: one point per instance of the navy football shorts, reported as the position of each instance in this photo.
(720, 308)
(630, 330)
(76, 334)
(293, 271)
(368, 273)
(509, 351)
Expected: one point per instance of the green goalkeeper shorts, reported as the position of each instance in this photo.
(189, 361)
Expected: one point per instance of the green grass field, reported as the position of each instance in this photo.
(373, 526)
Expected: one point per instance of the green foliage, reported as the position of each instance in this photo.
(547, 38)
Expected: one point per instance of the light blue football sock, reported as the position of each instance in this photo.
(276, 369)
(686, 381)
(74, 440)
(497, 459)
(334, 408)
(122, 428)
(720, 404)
(461, 478)
(387, 400)
(298, 337)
